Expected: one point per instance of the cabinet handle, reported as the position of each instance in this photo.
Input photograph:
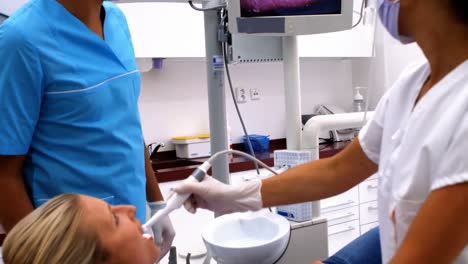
(341, 204)
(370, 187)
(341, 217)
(350, 228)
(372, 208)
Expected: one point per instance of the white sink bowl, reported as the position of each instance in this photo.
(253, 237)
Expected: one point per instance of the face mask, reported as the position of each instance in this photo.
(388, 12)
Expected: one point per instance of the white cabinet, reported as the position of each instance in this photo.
(350, 214)
(368, 212)
(365, 228)
(165, 30)
(341, 201)
(368, 191)
(342, 216)
(340, 235)
(356, 42)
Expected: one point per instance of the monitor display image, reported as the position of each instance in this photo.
(289, 17)
(272, 8)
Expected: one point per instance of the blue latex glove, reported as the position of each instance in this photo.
(163, 232)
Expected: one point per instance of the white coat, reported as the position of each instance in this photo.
(419, 148)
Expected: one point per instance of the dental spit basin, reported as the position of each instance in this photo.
(253, 237)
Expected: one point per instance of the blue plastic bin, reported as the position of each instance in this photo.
(259, 143)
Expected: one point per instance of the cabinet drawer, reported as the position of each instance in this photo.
(340, 235)
(368, 212)
(341, 201)
(373, 177)
(365, 228)
(341, 216)
(368, 191)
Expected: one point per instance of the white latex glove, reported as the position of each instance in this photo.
(221, 198)
(163, 232)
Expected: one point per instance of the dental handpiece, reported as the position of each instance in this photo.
(177, 200)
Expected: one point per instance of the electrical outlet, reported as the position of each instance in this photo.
(241, 95)
(254, 94)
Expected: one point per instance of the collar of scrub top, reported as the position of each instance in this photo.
(3, 17)
(59, 12)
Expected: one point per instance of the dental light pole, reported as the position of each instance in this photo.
(215, 80)
(216, 89)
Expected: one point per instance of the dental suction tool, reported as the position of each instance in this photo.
(177, 200)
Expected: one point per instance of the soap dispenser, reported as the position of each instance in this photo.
(358, 100)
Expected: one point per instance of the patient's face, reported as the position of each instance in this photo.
(120, 232)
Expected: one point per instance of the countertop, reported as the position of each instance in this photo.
(169, 168)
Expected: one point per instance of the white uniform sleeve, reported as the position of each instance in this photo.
(453, 167)
(370, 136)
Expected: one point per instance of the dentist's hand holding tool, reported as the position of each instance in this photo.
(163, 231)
(160, 223)
(221, 198)
(202, 191)
(209, 193)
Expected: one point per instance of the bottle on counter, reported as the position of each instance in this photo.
(359, 105)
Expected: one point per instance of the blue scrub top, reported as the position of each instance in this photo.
(68, 99)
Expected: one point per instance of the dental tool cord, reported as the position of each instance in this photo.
(240, 153)
(205, 9)
(361, 14)
(249, 142)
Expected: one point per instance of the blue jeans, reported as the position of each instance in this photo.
(364, 249)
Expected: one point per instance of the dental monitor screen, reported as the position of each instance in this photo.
(289, 17)
(250, 8)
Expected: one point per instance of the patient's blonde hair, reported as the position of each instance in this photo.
(53, 234)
